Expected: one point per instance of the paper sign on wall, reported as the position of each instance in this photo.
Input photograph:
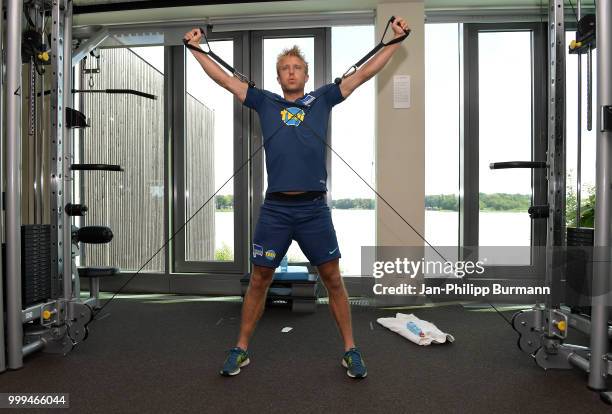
(401, 91)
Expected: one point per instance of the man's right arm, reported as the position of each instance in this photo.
(212, 69)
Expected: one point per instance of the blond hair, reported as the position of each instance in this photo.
(293, 51)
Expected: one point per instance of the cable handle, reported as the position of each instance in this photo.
(372, 52)
(397, 39)
(217, 58)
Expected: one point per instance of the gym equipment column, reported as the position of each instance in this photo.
(66, 235)
(2, 348)
(13, 185)
(579, 131)
(603, 235)
(556, 156)
(55, 148)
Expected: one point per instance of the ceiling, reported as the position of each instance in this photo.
(428, 3)
(89, 12)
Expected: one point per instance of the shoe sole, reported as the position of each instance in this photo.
(231, 374)
(348, 372)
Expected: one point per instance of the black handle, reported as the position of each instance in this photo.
(95, 167)
(407, 31)
(517, 164)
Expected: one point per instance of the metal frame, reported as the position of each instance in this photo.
(89, 45)
(494, 14)
(2, 225)
(169, 88)
(469, 143)
(238, 266)
(66, 156)
(579, 128)
(539, 329)
(13, 185)
(556, 151)
(61, 318)
(56, 149)
(599, 364)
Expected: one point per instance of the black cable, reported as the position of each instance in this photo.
(390, 206)
(194, 214)
(183, 226)
(248, 161)
(574, 11)
(31, 24)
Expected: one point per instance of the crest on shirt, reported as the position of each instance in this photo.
(292, 116)
(308, 99)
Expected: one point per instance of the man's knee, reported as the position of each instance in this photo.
(334, 284)
(330, 274)
(261, 277)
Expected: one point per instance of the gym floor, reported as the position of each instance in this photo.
(160, 354)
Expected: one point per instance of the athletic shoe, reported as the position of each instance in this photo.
(354, 364)
(236, 359)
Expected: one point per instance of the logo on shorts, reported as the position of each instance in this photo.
(257, 250)
(333, 251)
(270, 254)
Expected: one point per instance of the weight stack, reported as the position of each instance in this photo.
(35, 263)
(579, 269)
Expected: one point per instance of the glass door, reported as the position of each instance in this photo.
(505, 107)
(210, 150)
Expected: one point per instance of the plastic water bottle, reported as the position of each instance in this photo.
(284, 263)
(412, 327)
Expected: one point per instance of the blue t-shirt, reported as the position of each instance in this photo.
(295, 156)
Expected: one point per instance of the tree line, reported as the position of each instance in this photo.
(450, 202)
(487, 202)
(226, 202)
(440, 202)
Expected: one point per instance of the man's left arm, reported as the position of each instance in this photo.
(375, 64)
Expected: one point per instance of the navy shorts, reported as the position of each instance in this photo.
(309, 223)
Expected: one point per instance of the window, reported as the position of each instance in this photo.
(505, 134)
(209, 156)
(127, 130)
(482, 83)
(442, 108)
(353, 138)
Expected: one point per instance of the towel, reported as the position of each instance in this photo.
(416, 330)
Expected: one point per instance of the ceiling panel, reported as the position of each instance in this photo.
(428, 3)
(91, 12)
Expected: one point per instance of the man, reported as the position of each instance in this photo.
(293, 127)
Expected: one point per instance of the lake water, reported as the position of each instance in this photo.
(356, 228)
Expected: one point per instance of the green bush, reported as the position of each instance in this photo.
(224, 254)
(486, 202)
(587, 205)
(354, 204)
(224, 202)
